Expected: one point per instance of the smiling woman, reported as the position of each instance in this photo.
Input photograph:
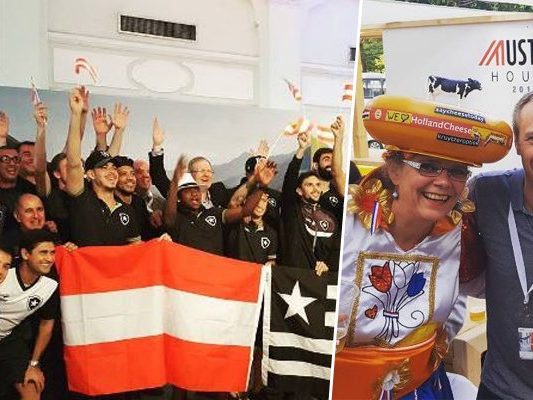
(402, 249)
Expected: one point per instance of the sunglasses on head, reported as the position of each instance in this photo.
(431, 169)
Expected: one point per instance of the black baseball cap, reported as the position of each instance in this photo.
(97, 159)
(250, 164)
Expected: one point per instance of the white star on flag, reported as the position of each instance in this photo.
(296, 302)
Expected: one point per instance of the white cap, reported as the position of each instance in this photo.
(187, 181)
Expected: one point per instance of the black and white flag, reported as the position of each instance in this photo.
(298, 324)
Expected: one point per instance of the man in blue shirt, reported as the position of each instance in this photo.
(504, 215)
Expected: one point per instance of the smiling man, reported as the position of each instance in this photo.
(308, 231)
(27, 293)
(504, 216)
(98, 218)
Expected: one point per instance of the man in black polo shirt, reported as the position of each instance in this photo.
(11, 186)
(272, 215)
(308, 231)
(253, 239)
(331, 199)
(27, 293)
(194, 225)
(191, 223)
(97, 217)
(126, 185)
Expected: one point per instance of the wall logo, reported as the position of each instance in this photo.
(509, 52)
(511, 61)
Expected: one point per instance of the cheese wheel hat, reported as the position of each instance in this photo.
(437, 130)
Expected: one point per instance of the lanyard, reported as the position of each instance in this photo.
(518, 255)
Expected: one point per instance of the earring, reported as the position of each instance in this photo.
(395, 195)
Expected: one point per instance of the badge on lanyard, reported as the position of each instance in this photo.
(525, 334)
(525, 331)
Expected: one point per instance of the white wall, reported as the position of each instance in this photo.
(222, 26)
(456, 52)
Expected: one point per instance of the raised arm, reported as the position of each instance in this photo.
(74, 184)
(120, 120)
(171, 210)
(102, 125)
(290, 181)
(156, 157)
(264, 173)
(4, 128)
(84, 93)
(339, 176)
(42, 180)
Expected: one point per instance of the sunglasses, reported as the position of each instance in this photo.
(7, 159)
(460, 174)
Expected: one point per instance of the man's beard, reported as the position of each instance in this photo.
(324, 174)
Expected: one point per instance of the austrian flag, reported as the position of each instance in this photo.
(143, 316)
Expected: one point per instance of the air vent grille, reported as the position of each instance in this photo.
(154, 27)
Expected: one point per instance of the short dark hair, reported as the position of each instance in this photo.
(5, 248)
(9, 147)
(32, 238)
(54, 164)
(320, 152)
(304, 175)
(251, 162)
(123, 161)
(25, 143)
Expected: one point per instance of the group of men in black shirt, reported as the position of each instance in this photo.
(108, 200)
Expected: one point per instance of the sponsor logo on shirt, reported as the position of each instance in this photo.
(124, 218)
(265, 242)
(211, 220)
(333, 200)
(34, 302)
(272, 201)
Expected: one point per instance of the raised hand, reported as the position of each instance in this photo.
(84, 93)
(263, 149)
(40, 113)
(181, 168)
(101, 121)
(76, 101)
(265, 171)
(120, 116)
(337, 127)
(158, 135)
(321, 267)
(304, 140)
(4, 126)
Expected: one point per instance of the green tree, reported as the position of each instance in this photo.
(372, 55)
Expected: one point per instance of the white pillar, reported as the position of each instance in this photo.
(279, 32)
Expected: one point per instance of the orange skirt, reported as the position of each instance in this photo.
(362, 373)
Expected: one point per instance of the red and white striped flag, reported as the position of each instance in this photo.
(348, 92)
(142, 316)
(82, 63)
(295, 92)
(35, 99)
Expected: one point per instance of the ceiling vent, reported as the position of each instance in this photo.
(158, 28)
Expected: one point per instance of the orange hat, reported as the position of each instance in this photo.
(437, 130)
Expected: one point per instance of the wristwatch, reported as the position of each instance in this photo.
(35, 363)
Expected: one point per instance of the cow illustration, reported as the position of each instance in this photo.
(461, 88)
